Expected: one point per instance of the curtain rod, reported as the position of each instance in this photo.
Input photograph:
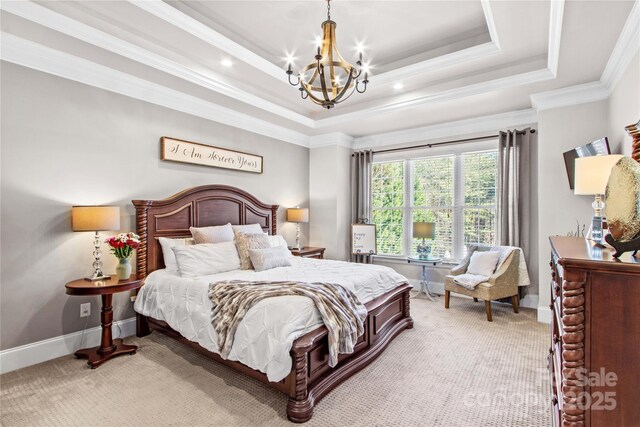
(455, 141)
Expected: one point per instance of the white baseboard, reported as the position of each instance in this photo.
(529, 300)
(544, 315)
(41, 351)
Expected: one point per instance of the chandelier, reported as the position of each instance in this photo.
(329, 79)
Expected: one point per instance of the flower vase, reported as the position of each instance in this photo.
(123, 269)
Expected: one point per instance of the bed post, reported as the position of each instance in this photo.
(142, 208)
(300, 404)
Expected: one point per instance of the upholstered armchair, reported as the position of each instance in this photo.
(502, 284)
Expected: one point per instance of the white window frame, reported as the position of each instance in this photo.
(458, 194)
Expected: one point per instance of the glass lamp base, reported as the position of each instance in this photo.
(595, 231)
(423, 250)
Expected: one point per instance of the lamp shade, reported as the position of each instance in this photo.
(298, 215)
(592, 173)
(95, 218)
(424, 230)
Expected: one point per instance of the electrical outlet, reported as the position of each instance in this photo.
(85, 309)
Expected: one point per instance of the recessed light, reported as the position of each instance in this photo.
(398, 86)
(227, 62)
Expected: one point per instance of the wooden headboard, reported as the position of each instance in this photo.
(196, 207)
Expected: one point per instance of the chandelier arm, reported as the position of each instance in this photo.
(344, 89)
(294, 84)
(357, 87)
(323, 84)
(348, 96)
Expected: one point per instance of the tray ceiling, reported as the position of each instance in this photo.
(452, 59)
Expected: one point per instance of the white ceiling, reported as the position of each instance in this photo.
(455, 59)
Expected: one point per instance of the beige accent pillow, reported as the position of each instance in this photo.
(213, 234)
(268, 258)
(247, 241)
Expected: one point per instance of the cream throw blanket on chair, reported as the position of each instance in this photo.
(342, 313)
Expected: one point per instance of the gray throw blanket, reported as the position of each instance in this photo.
(342, 313)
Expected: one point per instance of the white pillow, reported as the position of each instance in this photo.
(167, 252)
(278, 240)
(483, 263)
(213, 234)
(207, 258)
(268, 258)
(247, 228)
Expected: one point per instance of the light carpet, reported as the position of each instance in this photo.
(453, 369)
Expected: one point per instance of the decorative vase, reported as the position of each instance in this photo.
(123, 269)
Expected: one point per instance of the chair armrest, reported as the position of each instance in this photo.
(459, 269)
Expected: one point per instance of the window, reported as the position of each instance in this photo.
(455, 191)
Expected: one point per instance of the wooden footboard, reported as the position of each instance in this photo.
(311, 378)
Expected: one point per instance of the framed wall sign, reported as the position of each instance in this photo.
(363, 239)
(177, 150)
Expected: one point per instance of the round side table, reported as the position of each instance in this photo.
(424, 284)
(108, 347)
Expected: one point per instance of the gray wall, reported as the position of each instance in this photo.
(566, 128)
(330, 209)
(624, 106)
(559, 209)
(64, 143)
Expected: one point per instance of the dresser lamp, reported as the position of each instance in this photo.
(298, 215)
(591, 177)
(424, 230)
(96, 218)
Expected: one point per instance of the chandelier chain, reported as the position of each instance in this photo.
(328, 10)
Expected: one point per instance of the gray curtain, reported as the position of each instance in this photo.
(361, 194)
(514, 188)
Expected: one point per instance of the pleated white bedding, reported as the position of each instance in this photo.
(265, 336)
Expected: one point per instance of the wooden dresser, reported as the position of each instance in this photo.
(594, 358)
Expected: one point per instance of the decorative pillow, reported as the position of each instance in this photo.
(167, 253)
(207, 258)
(248, 228)
(247, 241)
(268, 258)
(483, 263)
(213, 234)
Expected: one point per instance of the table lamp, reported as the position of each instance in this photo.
(591, 177)
(298, 215)
(95, 218)
(424, 230)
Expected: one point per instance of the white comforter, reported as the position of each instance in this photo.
(265, 336)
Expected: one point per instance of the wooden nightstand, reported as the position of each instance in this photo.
(308, 252)
(108, 347)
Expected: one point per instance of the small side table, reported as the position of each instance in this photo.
(308, 252)
(106, 288)
(424, 284)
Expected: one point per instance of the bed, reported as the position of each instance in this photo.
(307, 376)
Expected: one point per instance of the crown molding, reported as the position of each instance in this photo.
(569, 96)
(57, 22)
(194, 27)
(330, 139)
(491, 25)
(447, 95)
(626, 47)
(443, 130)
(45, 59)
(414, 70)
(556, 14)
